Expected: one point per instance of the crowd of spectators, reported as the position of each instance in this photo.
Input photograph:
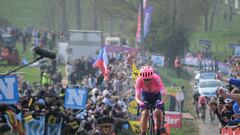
(234, 65)
(107, 100)
(28, 37)
(226, 104)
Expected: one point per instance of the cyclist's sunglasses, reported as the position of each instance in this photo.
(147, 80)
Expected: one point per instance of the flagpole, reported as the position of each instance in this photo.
(142, 30)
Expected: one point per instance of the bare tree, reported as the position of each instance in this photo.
(215, 6)
(78, 14)
(95, 17)
(49, 13)
(169, 34)
(64, 23)
(209, 10)
(117, 9)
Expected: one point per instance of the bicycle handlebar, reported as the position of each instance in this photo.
(151, 106)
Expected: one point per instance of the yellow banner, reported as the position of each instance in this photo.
(132, 107)
(135, 125)
(135, 71)
(172, 90)
(74, 124)
(28, 118)
(52, 119)
(30, 102)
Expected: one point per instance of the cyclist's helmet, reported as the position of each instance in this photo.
(146, 72)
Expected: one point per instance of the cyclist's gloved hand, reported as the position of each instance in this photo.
(160, 104)
(142, 105)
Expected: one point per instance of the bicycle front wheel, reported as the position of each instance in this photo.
(203, 114)
(151, 126)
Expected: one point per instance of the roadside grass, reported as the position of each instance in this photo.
(31, 74)
(169, 77)
(21, 13)
(224, 34)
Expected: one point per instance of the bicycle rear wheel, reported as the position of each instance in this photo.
(212, 115)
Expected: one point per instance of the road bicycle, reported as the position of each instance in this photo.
(202, 111)
(151, 123)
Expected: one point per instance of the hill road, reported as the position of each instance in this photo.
(208, 128)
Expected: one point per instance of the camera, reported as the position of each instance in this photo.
(221, 100)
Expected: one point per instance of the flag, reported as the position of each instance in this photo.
(54, 129)
(147, 19)
(135, 71)
(135, 125)
(35, 127)
(138, 33)
(19, 119)
(102, 62)
(138, 39)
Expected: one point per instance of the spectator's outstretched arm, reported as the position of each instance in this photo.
(231, 81)
(228, 95)
(221, 78)
(234, 81)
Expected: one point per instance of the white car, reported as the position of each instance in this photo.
(208, 87)
(203, 75)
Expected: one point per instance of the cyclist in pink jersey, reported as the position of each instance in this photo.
(148, 89)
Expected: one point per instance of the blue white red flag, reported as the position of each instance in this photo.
(102, 62)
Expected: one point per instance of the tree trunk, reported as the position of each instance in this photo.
(49, 14)
(231, 4)
(78, 13)
(174, 17)
(53, 15)
(111, 25)
(64, 25)
(213, 15)
(95, 19)
(122, 25)
(206, 21)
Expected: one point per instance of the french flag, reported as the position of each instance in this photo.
(102, 62)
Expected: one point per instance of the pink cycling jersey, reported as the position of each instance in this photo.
(156, 87)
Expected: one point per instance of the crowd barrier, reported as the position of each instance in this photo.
(231, 130)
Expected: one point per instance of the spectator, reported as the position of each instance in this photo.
(69, 69)
(46, 80)
(180, 99)
(177, 65)
(106, 98)
(57, 77)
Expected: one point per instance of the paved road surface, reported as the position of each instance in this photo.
(207, 128)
